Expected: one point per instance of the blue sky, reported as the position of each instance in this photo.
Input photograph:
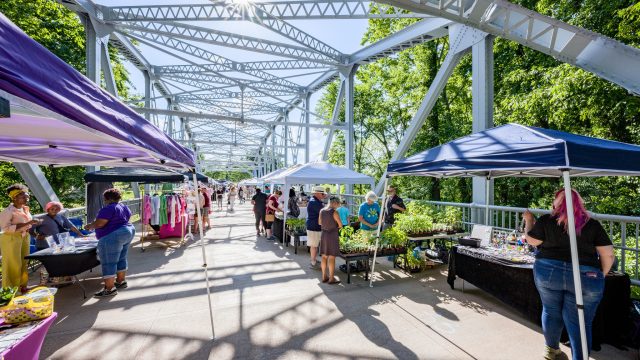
(344, 35)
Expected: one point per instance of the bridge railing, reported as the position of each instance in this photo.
(624, 231)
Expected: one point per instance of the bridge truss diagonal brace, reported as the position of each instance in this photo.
(334, 120)
(461, 39)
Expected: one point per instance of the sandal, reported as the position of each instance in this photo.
(324, 280)
(334, 281)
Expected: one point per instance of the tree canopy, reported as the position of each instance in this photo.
(62, 33)
(531, 88)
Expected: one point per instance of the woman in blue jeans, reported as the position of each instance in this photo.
(114, 233)
(553, 273)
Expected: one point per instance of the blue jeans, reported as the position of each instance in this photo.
(113, 249)
(554, 280)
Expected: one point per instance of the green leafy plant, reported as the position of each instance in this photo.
(297, 225)
(414, 224)
(393, 237)
(412, 261)
(6, 294)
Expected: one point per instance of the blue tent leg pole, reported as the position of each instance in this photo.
(575, 262)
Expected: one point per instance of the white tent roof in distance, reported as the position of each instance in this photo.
(320, 172)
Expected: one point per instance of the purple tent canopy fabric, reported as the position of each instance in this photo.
(61, 117)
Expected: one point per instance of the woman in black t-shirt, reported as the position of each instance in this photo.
(553, 273)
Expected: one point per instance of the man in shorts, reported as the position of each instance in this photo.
(313, 227)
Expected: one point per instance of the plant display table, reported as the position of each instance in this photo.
(348, 258)
(298, 239)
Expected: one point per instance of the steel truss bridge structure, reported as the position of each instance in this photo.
(237, 111)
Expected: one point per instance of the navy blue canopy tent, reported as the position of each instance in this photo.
(525, 151)
(518, 150)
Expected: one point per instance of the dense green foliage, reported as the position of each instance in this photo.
(60, 31)
(530, 88)
(233, 176)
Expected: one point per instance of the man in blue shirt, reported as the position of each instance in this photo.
(314, 231)
(369, 212)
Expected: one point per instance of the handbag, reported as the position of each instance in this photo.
(270, 217)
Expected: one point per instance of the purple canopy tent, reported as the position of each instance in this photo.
(61, 118)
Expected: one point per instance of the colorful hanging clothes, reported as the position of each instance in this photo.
(163, 211)
(155, 210)
(146, 209)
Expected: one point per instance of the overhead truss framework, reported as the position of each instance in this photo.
(232, 89)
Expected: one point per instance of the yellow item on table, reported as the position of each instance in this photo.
(35, 305)
(14, 247)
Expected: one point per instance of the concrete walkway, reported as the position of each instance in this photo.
(269, 305)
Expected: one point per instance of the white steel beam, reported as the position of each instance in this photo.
(227, 39)
(435, 89)
(37, 182)
(412, 35)
(192, 115)
(285, 10)
(334, 120)
(593, 52)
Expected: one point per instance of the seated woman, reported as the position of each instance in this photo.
(52, 223)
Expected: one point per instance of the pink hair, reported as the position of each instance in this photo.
(580, 213)
(51, 204)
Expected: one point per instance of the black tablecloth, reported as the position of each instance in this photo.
(514, 286)
(67, 264)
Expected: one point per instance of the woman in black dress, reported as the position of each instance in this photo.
(330, 222)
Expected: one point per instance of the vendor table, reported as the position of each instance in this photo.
(348, 258)
(24, 341)
(68, 263)
(513, 284)
(298, 239)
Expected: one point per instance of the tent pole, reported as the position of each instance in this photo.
(142, 220)
(575, 262)
(284, 215)
(204, 254)
(486, 202)
(380, 220)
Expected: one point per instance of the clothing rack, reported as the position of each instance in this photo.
(166, 243)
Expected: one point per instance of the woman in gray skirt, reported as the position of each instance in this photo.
(330, 222)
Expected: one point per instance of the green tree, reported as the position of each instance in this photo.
(233, 176)
(530, 88)
(62, 33)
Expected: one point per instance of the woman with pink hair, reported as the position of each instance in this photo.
(553, 273)
(51, 224)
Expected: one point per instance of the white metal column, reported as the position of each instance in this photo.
(307, 130)
(349, 138)
(482, 108)
(37, 182)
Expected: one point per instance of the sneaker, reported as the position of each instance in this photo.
(313, 266)
(272, 238)
(551, 353)
(258, 234)
(122, 285)
(106, 293)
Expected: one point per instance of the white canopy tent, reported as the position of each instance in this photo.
(250, 182)
(319, 172)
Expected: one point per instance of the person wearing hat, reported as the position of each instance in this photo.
(52, 223)
(314, 231)
(15, 222)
